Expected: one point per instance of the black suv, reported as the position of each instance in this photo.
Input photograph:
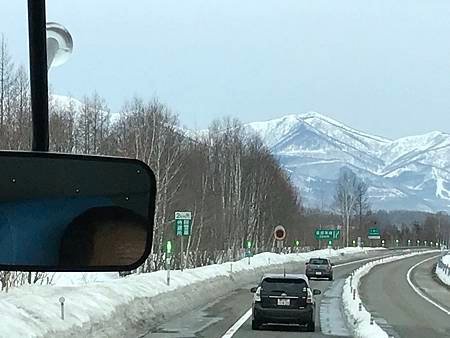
(284, 299)
(319, 268)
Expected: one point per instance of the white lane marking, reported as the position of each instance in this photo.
(416, 290)
(232, 330)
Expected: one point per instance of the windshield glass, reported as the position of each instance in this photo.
(319, 261)
(283, 285)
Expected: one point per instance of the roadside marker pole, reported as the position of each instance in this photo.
(168, 270)
(62, 300)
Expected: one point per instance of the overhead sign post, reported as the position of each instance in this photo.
(183, 227)
(279, 234)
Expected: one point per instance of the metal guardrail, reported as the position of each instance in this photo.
(410, 247)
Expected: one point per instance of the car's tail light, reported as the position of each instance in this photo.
(257, 296)
(309, 297)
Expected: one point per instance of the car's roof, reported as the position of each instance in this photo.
(285, 276)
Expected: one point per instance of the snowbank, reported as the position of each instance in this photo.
(443, 269)
(359, 321)
(126, 306)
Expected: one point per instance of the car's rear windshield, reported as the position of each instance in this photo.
(318, 261)
(283, 285)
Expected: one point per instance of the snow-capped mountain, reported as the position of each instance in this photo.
(408, 173)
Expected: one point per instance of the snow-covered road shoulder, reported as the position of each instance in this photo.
(127, 306)
(359, 320)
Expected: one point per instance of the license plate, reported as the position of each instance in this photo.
(284, 302)
(318, 272)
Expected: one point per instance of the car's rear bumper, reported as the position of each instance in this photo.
(283, 316)
(323, 274)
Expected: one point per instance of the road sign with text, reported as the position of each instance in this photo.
(327, 234)
(183, 223)
(374, 233)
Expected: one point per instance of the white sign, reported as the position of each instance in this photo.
(183, 215)
(279, 233)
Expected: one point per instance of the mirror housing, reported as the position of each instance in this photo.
(253, 289)
(332, 264)
(62, 212)
(316, 292)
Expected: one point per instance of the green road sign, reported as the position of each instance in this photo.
(296, 243)
(168, 247)
(183, 223)
(248, 248)
(374, 233)
(327, 234)
(248, 244)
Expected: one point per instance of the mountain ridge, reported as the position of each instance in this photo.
(412, 171)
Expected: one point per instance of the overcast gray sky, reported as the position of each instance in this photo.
(379, 66)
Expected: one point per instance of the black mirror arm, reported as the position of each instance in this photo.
(38, 73)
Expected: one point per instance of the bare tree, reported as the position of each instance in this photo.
(346, 197)
(362, 205)
(6, 75)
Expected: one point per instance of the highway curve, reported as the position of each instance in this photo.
(400, 310)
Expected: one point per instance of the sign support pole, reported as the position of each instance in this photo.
(168, 270)
(182, 254)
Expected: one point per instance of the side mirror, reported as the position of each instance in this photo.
(332, 264)
(63, 212)
(316, 292)
(253, 289)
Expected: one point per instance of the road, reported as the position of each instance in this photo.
(402, 312)
(215, 319)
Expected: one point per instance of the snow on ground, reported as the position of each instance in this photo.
(82, 278)
(359, 321)
(34, 311)
(443, 269)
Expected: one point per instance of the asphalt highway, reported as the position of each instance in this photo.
(216, 318)
(414, 307)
